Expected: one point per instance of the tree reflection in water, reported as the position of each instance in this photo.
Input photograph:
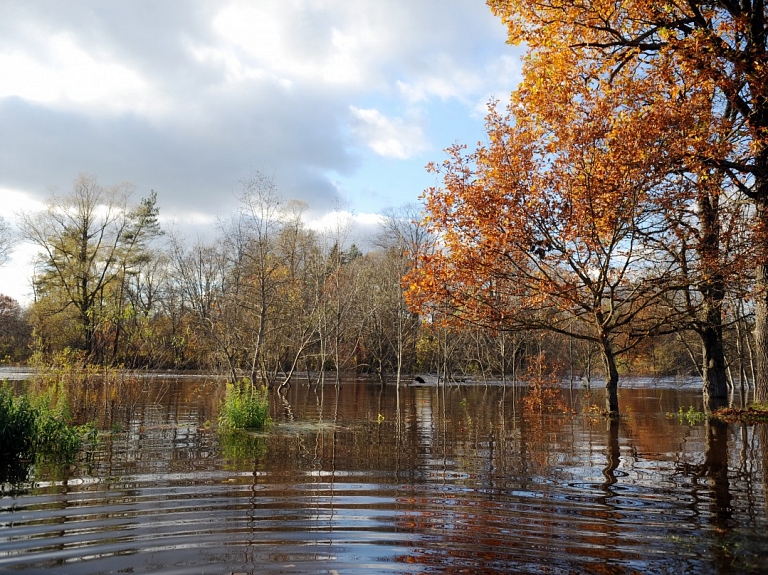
(362, 479)
(716, 469)
(613, 453)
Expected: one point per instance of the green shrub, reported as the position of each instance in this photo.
(245, 407)
(30, 433)
(692, 416)
(17, 427)
(56, 440)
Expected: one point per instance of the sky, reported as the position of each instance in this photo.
(342, 103)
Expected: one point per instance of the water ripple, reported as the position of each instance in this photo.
(359, 498)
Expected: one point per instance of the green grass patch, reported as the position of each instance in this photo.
(690, 417)
(245, 407)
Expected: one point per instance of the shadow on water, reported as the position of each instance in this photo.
(424, 479)
(14, 475)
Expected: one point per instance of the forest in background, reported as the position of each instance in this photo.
(270, 299)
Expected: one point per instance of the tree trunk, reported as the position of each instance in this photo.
(761, 332)
(89, 333)
(713, 368)
(715, 389)
(611, 378)
(259, 340)
(761, 276)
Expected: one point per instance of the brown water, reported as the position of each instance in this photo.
(460, 481)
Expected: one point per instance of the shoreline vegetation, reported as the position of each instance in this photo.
(51, 416)
(36, 429)
(755, 413)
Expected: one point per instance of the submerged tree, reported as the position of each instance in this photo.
(713, 46)
(544, 228)
(404, 237)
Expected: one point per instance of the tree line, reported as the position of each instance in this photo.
(267, 298)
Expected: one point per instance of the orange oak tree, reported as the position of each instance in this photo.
(718, 47)
(545, 227)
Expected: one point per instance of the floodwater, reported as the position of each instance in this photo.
(357, 480)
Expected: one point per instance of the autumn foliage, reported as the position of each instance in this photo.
(546, 225)
(708, 59)
(607, 202)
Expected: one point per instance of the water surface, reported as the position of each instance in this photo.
(353, 480)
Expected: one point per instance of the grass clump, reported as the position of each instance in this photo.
(692, 417)
(245, 407)
(33, 434)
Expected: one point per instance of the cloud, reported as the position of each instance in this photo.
(319, 43)
(188, 97)
(506, 71)
(347, 228)
(388, 137)
(74, 78)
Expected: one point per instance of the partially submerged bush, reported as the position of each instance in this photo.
(30, 433)
(84, 392)
(18, 423)
(245, 407)
(691, 417)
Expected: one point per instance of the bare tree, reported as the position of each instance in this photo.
(7, 241)
(404, 236)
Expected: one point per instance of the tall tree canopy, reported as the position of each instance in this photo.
(714, 47)
(89, 241)
(545, 227)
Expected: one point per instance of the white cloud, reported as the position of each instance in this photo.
(331, 43)
(16, 275)
(16, 201)
(447, 81)
(189, 219)
(340, 219)
(71, 76)
(348, 228)
(388, 137)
